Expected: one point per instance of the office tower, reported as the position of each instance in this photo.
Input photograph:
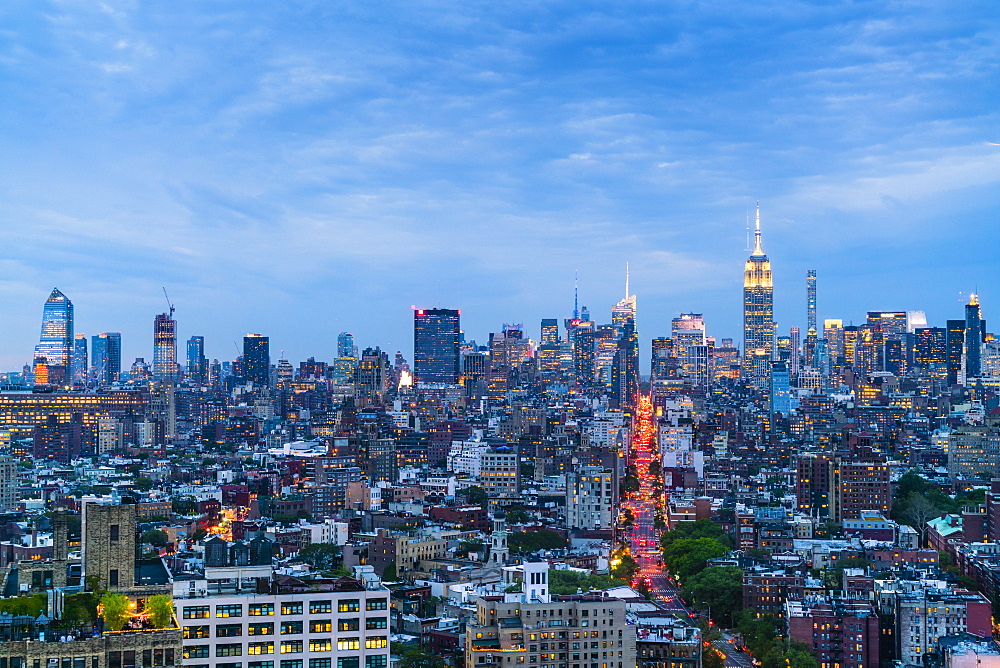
(915, 320)
(197, 363)
(795, 345)
(975, 334)
(165, 347)
(758, 310)
(664, 363)
(624, 310)
(80, 359)
(891, 322)
(371, 377)
(833, 332)
(584, 314)
(955, 342)
(931, 347)
(780, 391)
(687, 331)
(550, 332)
(346, 346)
(584, 339)
(105, 358)
(475, 369)
(55, 345)
(435, 345)
(625, 367)
(257, 359)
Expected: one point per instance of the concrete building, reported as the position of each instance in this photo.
(109, 546)
(591, 498)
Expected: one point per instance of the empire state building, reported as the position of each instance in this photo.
(758, 314)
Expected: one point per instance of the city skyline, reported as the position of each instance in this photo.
(479, 156)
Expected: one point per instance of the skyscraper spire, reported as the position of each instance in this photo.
(758, 250)
(626, 281)
(576, 295)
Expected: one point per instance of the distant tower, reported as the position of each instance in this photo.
(809, 350)
(257, 359)
(624, 310)
(105, 358)
(346, 346)
(56, 342)
(80, 359)
(165, 347)
(197, 363)
(975, 333)
(436, 335)
(498, 540)
(758, 312)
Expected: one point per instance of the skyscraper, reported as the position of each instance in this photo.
(80, 359)
(436, 345)
(624, 310)
(975, 331)
(550, 332)
(56, 342)
(165, 347)
(955, 343)
(257, 359)
(346, 346)
(758, 311)
(197, 363)
(812, 333)
(105, 358)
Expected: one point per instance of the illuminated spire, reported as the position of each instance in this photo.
(973, 299)
(757, 249)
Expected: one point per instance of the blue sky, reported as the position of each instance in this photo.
(303, 168)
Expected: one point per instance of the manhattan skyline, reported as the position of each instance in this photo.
(280, 174)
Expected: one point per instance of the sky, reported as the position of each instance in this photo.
(300, 169)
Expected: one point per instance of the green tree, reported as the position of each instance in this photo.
(720, 588)
(31, 606)
(711, 659)
(413, 656)
(475, 495)
(518, 515)
(389, 573)
(700, 529)
(161, 610)
(144, 484)
(470, 545)
(527, 542)
(567, 582)
(155, 537)
(114, 611)
(688, 556)
(321, 556)
(626, 568)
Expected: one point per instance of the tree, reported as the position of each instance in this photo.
(389, 573)
(161, 610)
(470, 545)
(688, 556)
(475, 495)
(31, 606)
(918, 512)
(567, 582)
(701, 529)
(626, 568)
(412, 656)
(114, 611)
(144, 484)
(321, 556)
(527, 542)
(720, 588)
(517, 515)
(155, 537)
(711, 659)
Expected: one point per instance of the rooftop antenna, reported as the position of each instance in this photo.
(169, 303)
(576, 295)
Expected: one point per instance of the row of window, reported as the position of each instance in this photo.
(285, 647)
(286, 628)
(287, 608)
(378, 661)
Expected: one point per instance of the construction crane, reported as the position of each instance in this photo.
(169, 303)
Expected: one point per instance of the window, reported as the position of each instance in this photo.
(349, 624)
(319, 663)
(377, 661)
(320, 606)
(237, 664)
(349, 605)
(320, 644)
(191, 632)
(347, 662)
(197, 612)
(291, 646)
(291, 608)
(261, 609)
(320, 626)
(195, 652)
(229, 610)
(115, 531)
(376, 642)
(261, 664)
(376, 623)
(228, 630)
(113, 577)
(260, 629)
(377, 604)
(260, 648)
(291, 627)
(348, 643)
(229, 649)
(291, 663)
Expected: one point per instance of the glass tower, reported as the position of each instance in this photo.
(436, 334)
(257, 359)
(197, 363)
(105, 358)
(758, 312)
(165, 347)
(56, 342)
(80, 359)
(346, 346)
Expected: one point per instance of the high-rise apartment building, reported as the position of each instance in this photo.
(257, 359)
(55, 345)
(165, 347)
(931, 347)
(758, 311)
(955, 343)
(9, 488)
(975, 334)
(79, 359)
(436, 335)
(197, 363)
(105, 358)
(591, 498)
